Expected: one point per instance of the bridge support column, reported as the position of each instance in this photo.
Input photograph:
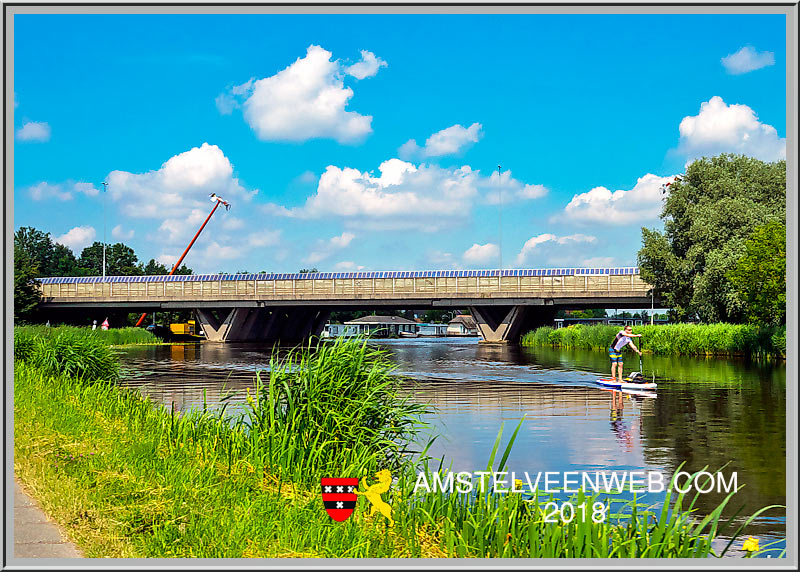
(278, 324)
(506, 324)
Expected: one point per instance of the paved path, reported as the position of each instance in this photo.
(35, 535)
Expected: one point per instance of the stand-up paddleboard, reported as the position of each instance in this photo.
(638, 392)
(611, 382)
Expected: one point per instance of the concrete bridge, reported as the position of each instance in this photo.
(291, 307)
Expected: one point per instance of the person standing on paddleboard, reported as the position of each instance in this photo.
(615, 351)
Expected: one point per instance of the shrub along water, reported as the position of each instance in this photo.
(672, 339)
(128, 478)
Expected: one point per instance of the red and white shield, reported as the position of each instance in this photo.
(339, 497)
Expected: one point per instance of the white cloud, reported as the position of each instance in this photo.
(120, 234)
(722, 128)
(404, 195)
(326, 248)
(452, 140)
(533, 243)
(34, 131)
(77, 238)
(167, 260)
(61, 191)
(181, 186)
(307, 100)
(479, 254)
(598, 262)
(601, 205)
(232, 223)
(347, 265)
(746, 60)
(367, 67)
(511, 189)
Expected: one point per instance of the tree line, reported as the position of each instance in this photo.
(37, 255)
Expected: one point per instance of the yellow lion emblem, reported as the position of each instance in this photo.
(374, 492)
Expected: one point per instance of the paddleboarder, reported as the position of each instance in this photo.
(622, 339)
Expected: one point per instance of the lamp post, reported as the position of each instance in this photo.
(500, 217)
(105, 187)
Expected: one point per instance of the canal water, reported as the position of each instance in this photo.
(711, 413)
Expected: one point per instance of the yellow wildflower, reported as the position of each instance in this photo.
(518, 484)
(750, 545)
(250, 400)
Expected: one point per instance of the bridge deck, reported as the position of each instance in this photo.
(508, 286)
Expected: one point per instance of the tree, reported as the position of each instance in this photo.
(26, 293)
(308, 270)
(708, 215)
(153, 268)
(760, 275)
(121, 260)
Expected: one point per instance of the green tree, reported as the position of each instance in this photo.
(308, 270)
(26, 293)
(153, 268)
(708, 215)
(50, 258)
(760, 275)
(121, 260)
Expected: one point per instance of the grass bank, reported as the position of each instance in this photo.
(672, 339)
(128, 478)
(110, 337)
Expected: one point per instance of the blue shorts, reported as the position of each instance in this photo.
(614, 355)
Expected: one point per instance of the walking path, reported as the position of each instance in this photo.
(36, 536)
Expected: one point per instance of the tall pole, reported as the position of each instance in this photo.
(500, 217)
(105, 188)
(177, 264)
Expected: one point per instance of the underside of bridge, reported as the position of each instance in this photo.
(284, 324)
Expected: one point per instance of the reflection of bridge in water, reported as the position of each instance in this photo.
(290, 307)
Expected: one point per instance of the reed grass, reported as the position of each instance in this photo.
(113, 336)
(127, 477)
(672, 339)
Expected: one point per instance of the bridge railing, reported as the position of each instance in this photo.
(372, 284)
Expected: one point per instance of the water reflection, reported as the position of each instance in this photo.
(706, 412)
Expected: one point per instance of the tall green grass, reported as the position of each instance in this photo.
(113, 336)
(130, 478)
(672, 339)
(66, 351)
(331, 408)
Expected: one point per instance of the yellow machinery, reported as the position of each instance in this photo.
(187, 328)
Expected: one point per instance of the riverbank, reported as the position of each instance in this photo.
(130, 479)
(673, 339)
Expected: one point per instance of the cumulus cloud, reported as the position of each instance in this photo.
(479, 254)
(368, 66)
(77, 238)
(120, 234)
(61, 191)
(735, 128)
(34, 131)
(180, 188)
(452, 140)
(325, 248)
(307, 100)
(404, 195)
(503, 184)
(746, 60)
(601, 205)
(535, 243)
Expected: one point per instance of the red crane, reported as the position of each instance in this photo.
(217, 201)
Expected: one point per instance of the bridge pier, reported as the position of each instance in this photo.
(278, 324)
(506, 324)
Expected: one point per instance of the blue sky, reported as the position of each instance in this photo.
(305, 124)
